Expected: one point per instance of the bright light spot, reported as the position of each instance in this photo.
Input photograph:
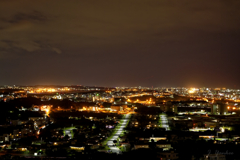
(192, 90)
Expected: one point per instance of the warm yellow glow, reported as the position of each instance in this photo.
(191, 91)
(228, 107)
(234, 107)
(77, 148)
(46, 109)
(51, 90)
(205, 99)
(23, 149)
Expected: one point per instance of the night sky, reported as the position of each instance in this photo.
(159, 43)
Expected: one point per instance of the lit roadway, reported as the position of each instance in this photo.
(164, 121)
(110, 143)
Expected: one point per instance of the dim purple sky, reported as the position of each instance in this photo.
(160, 43)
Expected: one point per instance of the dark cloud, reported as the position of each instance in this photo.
(122, 42)
(34, 17)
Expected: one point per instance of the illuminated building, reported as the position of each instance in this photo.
(219, 109)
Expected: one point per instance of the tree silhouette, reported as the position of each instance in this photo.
(152, 144)
(66, 137)
(115, 142)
